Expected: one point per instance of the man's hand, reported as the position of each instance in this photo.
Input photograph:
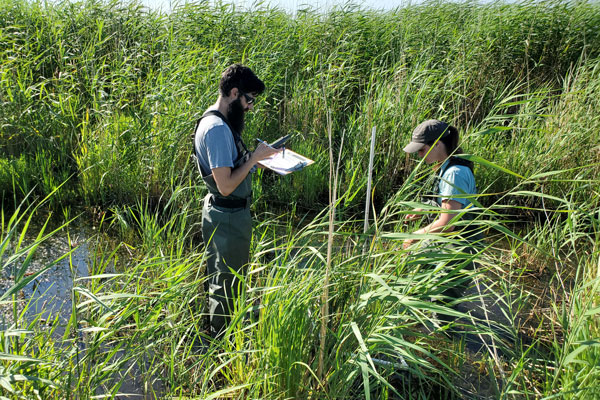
(263, 151)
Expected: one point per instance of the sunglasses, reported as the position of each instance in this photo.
(249, 99)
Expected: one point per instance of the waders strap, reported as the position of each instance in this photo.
(243, 153)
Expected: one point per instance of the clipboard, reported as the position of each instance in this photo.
(286, 162)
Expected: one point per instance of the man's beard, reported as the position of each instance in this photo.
(235, 115)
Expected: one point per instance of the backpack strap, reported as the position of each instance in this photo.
(243, 153)
(454, 160)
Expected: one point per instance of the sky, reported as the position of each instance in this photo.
(289, 5)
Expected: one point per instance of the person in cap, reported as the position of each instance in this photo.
(226, 167)
(437, 142)
(454, 191)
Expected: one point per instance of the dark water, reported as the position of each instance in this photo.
(49, 296)
(51, 293)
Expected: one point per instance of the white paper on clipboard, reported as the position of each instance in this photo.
(286, 162)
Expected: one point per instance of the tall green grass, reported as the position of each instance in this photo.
(98, 103)
(135, 318)
(110, 91)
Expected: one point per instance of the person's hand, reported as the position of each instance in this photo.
(413, 217)
(264, 151)
(407, 243)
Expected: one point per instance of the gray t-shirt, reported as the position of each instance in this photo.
(214, 143)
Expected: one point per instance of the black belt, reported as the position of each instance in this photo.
(229, 203)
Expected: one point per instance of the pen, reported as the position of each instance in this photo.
(298, 166)
(263, 142)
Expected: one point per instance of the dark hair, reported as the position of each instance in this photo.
(241, 77)
(451, 142)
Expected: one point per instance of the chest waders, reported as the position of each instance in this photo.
(227, 233)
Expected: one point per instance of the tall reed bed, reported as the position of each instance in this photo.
(98, 103)
(109, 91)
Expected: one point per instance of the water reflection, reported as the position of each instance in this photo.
(51, 292)
(48, 300)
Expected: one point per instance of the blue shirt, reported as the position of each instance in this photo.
(457, 183)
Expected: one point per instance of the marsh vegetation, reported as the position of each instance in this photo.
(99, 100)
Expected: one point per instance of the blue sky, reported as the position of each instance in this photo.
(289, 5)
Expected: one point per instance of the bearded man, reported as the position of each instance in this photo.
(226, 166)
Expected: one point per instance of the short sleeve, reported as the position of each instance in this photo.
(219, 144)
(214, 144)
(457, 183)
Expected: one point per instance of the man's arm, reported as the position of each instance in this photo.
(228, 179)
